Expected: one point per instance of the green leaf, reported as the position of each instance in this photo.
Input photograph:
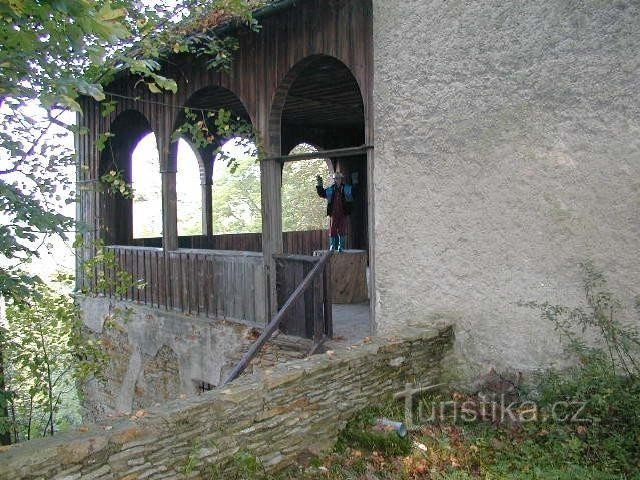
(92, 89)
(71, 103)
(108, 14)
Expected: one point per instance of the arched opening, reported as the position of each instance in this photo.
(236, 189)
(127, 131)
(189, 179)
(320, 102)
(194, 160)
(147, 188)
(302, 208)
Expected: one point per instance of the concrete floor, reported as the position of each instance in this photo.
(350, 323)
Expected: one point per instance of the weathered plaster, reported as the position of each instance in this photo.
(134, 334)
(507, 140)
(157, 355)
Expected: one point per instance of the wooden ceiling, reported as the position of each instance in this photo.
(325, 94)
(214, 98)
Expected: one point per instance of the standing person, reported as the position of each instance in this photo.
(339, 202)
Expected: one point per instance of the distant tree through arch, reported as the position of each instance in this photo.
(236, 192)
(302, 208)
(147, 187)
(188, 190)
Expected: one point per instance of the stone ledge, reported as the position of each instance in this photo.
(293, 406)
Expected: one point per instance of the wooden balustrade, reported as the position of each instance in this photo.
(216, 284)
(316, 282)
(297, 243)
(224, 284)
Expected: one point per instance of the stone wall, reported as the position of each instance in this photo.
(281, 414)
(156, 355)
(507, 151)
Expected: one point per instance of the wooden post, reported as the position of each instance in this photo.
(168, 152)
(206, 182)
(328, 301)
(169, 211)
(207, 209)
(271, 181)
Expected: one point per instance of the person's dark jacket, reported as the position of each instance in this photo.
(348, 194)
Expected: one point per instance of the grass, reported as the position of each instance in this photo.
(605, 447)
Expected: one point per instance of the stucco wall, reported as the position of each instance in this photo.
(507, 150)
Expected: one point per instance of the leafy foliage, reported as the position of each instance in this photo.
(35, 185)
(206, 129)
(113, 181)
(104, 273)
(302, 208)
(621, 342)
(45, 354)
(52, 53)
(236, 198)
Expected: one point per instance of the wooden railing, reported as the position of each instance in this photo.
(297, 243)
(217, 284)
(310, 308)
(321, 328)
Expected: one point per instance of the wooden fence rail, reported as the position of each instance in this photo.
(314, 280)
(216, 284)
(298, 243)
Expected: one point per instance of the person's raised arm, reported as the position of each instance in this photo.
(319, 187)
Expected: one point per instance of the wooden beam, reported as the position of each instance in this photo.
(169, 212)
(207, 209)
(271, 185)
(335, 153)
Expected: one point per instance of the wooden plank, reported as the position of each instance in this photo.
(132, 267)
(327, 301)
(185, 275)
(127, 268)
(156, 280)
(174, 272)
(140, 277)
(317, 332)
(201, 266)
(194, 302)
(298, 321)
(210, 288)
(260, 292)
(148, 281)
(163, 295)
(218, 268)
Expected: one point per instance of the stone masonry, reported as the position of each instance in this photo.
(157, 355)
(281, 414)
